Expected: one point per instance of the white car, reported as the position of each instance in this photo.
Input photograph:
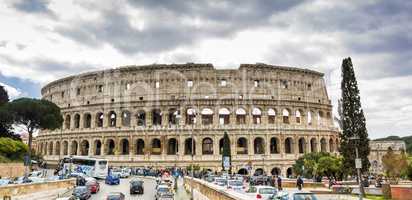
(261, 192)
(220, 181)
(124, 173)
(235, 185)
(295, 195)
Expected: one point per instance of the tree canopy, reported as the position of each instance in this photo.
(353, 121)
(317, 164)
(5, 118)
(394, 164)
(12, 150)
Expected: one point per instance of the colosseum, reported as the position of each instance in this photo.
(149, 115)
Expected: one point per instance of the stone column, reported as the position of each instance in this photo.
(165, 118)
(232, 144)
(149, 120)
(72, 121)
(133, 120)
(93, 120)
(198, 145)
(106, 120)
(251, 151)
(117, 146)
(181, 146)
(182, 121)
(119, 118)
(267, 145)
(81, 120)
(79, 147)
(216, 145)
(91, 147)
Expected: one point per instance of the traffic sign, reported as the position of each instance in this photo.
(358, 163)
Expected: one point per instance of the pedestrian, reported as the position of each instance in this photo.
(279, 183)
(299, 183)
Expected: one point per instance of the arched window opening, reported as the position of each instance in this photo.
(74, 148)
(190, 146)
(172, 147)
(141, 118)
(274, 147)
(76, 121)
(190, 116)
(207, 116)
(140, 147)
(50, 148)
(257, 116)
(207, 146)
(124, 143)
(331, 145)
(285, 113)
(87, 120)
(156, 147)
(112, 119)
(320, 118)
(298, 117)
(110, 147)
(57, 148)
(126, 118)
(84, 148)
(99, 120)
(156, 117)
(288, 146)
(240, 116)
(289, 172)
(224, 116)
(302, 145)
(174, 116)
(271, 116)
(313, 145)
(323, 145)
(67, 122)
(65, 148)
(97, 147)
(242, 146)
(259, 145)
(275, 171)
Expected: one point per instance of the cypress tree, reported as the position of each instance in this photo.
(5, 117)
(4, 97)
(353, 122)
(226, 150)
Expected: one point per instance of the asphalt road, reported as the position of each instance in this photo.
(149, 190)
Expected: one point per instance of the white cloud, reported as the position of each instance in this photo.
(12, 92)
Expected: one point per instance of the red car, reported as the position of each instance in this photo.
(93, 186)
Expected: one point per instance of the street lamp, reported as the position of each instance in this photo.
(358, 165)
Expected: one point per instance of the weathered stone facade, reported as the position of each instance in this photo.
(379, 148)
(147, 115)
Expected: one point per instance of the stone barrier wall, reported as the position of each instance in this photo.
(11, 169)
(401, 192)
(210, 191)
(22, 189)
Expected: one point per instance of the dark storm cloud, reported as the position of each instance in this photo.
(165, 27)
(33, 6)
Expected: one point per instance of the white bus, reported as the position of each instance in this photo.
(93, 167)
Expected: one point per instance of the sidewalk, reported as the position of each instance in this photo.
(181, 193)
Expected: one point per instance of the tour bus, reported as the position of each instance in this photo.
(93, 167)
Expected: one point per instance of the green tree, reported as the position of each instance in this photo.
(34, 114)
(353, 122)
(226, 150)
(5, 119)
(394, 165)
(12, 150)
(317, 164)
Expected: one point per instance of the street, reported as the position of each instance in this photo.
(149, 189)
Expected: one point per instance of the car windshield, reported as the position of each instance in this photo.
(113, 197)
(79, 190)
(267, 191)
(136, 182)
(236, 183)
(163, 189)
(304, 197)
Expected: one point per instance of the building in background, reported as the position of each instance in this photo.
(161, 115)
(378, 148)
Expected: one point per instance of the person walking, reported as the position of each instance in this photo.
(279, 183)
(299, 183)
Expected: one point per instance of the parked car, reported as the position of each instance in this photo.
(261, 192)
(112, 179)
(220, 181)
(36, 174)
(81, 192)
(5, 182)
(125, 173)
(160, 190)
(115, 196)
(93, 186)
(136, 186)
(68, 198)
(235, 185)
(166, 196)
(294, 195)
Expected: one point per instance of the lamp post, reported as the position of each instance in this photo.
(358, 165)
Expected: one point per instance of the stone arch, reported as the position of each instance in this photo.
(110, 147)
(337, 145)
(323, 145)
(67, 121)
(172, 146)
(257, 115)
(140, 146)
(289, 172)
(87, 120)
(224, 116)
(124, 146)
(274, 145)
(207, 146)
(298, 116)
(289, 145)
(331, 145)
(74, 147)
(275, 171)
(240, 116)
(302, 145)
(259, 171)
(50, 148)
(259, 145)
(242, 146)
(286, 115)
(57, 148)
(141, 118)
(156, 146)
(320, 117)
(313, 145)
(77, 120)
(271, 115)
(189, 149)
(65, 148)
(207, 116)
(126, 118)
(84, 148)
(174, 116)
(242, 171)
(190, 116)
(112, 117)
(156, 117)
(97, 147)
(99, 119)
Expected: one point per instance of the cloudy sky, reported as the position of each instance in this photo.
(43, 40)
